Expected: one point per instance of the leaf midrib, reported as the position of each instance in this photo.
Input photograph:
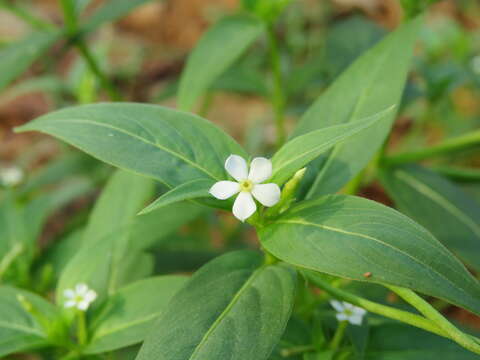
(225, 312)
(175, 154)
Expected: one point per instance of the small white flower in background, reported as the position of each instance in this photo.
(248, 186)
(346, 311)
(81, 297)
(11, 176)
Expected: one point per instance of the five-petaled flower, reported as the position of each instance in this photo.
(248, 186)
(81, 297)
(346, 311)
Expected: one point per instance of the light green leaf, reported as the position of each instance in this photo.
(371, 84)
(299, 151)
(19, 330)
(111, 11)
(129, 314)
(439, 205)
(122, 197)
(16, 58)
(189, 190)
(218, 49)
(171, 146)
(232, 308)
(349, 236)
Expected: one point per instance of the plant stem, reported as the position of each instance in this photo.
(69, 16)
(339, 334)
(10, 257)
(297, 350)
(81, 327)
(95, 68)
(459, 173)
(429, 312)
(26, 16)
(373, 307)
(447, 147)
(278, 96)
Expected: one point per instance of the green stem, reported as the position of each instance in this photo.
(447, 147)
(278, 96)
(296, 350)
(373, 307)
(459, 173)
(81, 327)
(69, 16)
(465, 340)
(26, 16)
(95, 68)
(339, 334)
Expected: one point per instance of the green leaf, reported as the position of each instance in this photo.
(19, 329)
(16, 58)
(218, 49)
(171, 146)
(438, 205)
(129, 314)
(396, 341)
(349, 236)
(122, 197)
(189, 190)
(299, 151)
(232, 308)
(371, 84)
(111, 11)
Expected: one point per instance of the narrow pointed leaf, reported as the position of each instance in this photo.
(232, 308)
(16, 58)
(371, 84)
(439, 205)
(302, 149)
(171, 146)
(223, 43)
(111, 11)
(189, 190)
(19, 330)
(128, 315)
(349, 236)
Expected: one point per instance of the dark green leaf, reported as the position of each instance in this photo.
(349, 236)
(233, 308)
(439, 205)
(372, 83)
(171, 146)
(129, 314)
(299, 151)
(215, 52)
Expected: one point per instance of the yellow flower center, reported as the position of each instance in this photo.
(246, 185)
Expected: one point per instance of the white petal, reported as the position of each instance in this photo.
(83, 305)
(260, 170)
(90, 296)
(244, 206)
(69, 303)
(337, 305)
(348, 306)
(355, 319)
(236, 166)
(267, 194)
(359, 311)
(341, 317)
(81, 289)
(69, 294)
(224, 189)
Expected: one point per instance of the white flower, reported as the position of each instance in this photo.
(347, 311)
(81, 297)
(11, 176)
(248, 184)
